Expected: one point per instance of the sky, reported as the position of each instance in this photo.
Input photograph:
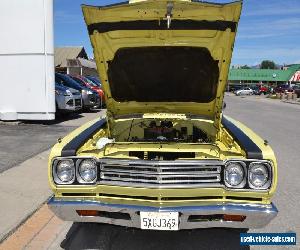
(268, 29)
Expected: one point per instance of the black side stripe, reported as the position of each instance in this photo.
(106, 6)
(162, 25)
(71, 148)
(251, 149)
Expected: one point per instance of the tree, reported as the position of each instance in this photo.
(267, 64)
(245, 67)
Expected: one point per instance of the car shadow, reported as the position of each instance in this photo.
(59, 118)
(109, 237)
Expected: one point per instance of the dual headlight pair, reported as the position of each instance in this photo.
(237, 174)
(67, 171)
(257, 175)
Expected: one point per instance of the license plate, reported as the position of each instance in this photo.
(159, 220)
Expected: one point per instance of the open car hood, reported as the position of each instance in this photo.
(163, 56)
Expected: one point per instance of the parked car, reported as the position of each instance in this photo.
(95, 79)
(244, 91)
(296, 89)
(284, 88)
(255, 90)
(233, 88)
(90, 98)
(84, 81)
(165, 157)
(259, 90)
(67, 99)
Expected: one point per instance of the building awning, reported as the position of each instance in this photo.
(268, 75)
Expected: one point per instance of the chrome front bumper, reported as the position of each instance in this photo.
(257, 215)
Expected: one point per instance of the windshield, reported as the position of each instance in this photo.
(79, 81)
(94, 80)
(90, 82)
(67, 81)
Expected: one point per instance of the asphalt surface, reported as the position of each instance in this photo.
(21, 141)
(273, 120)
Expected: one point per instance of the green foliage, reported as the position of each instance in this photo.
(245, 67)
(267, 64)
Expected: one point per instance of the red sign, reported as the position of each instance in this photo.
(296, 77)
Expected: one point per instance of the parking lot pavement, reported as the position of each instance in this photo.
(273, 120)
(24, 150)
(22, 141)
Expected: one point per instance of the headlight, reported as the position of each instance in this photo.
(235, 174)
(68, 93)
(64, 172)
(86, 91)
(87, 171)
(258, 176)
(57, 92)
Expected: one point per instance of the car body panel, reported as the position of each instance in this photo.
(218, 42)
(284, 88)
(244, 91)
(95, 80)
(296, 89)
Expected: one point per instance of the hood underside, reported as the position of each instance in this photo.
(163, 56)
(163, 74)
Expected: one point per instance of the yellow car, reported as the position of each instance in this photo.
(164, 157)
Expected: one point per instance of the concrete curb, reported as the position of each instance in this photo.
(17, 226)
(24, 189)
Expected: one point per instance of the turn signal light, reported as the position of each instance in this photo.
(87, 212)
(232, 217)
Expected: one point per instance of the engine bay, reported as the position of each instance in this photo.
(162, 130)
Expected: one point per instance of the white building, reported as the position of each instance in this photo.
(26, 60)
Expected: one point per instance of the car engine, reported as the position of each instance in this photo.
(165, 131)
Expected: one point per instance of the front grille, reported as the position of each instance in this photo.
(92, 98)
(70, 103)
(77, 102)
(162, 174)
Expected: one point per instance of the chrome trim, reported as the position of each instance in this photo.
(164, 186)
(160, 173)
(162, 163)
(257, 215)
